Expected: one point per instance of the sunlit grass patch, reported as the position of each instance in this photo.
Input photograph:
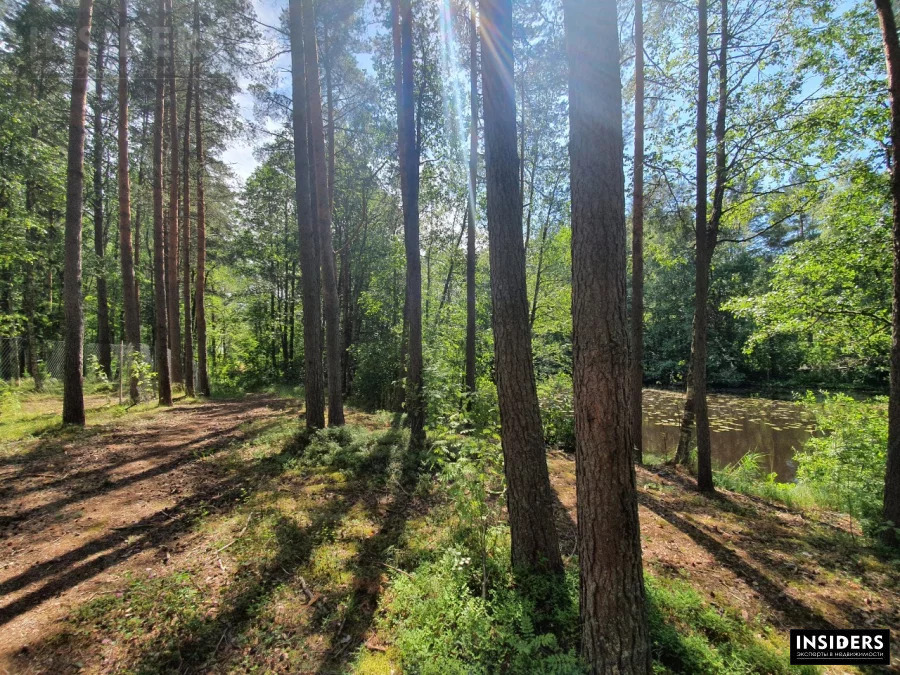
(692, 636)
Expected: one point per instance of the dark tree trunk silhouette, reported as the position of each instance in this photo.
(186, 218)
(892, 474)
(637, 240)
(529, 496)
(614, 633)
(706, 235)
(73, 383)
(104, 351)
(706, 239)
(323, 219)
(200, 274)
(126, 250)
(159, 248)
(473, 192)
(309, 258)
(172, 290)
(408, 154)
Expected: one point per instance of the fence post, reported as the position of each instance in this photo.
(121, 368)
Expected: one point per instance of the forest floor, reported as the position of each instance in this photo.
(191, 539)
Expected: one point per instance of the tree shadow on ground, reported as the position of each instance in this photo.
(64, 571)
(221, 637)
(795, 612)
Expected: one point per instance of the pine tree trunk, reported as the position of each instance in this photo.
(159, 247)
(172, 231)
(186, 220)
(310, 275)
(471, 259)
(126, 251)
(703, 256)
(323, 213)
(408, 155)
(529, 496)
(200, 280)
(73, 383)
(104, 351)
(637, 240)
(891, 534)
(614, 633)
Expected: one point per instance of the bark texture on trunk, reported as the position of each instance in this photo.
(323, 219)
(637, 240)
(172, 233)
(892, 474)
(186, 217)
(164, 382)
(614, 633)
(703, 252)
(104, 351)
(408, 149)
(200, 280)
(706, 236)
(73, 383)
(529, 496)
(471, 259)
(126, 249)
(314, 379)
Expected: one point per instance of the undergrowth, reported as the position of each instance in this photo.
(297, 559)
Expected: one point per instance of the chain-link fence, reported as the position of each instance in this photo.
(45, 367)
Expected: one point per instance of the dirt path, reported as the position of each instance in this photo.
(77, 514)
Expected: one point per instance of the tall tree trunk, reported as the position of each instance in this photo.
(892, 474)
(408, 155)
(104, 353)
(703, 255)
(172, 290)
(473, 192)
(637, 240)
(310, 276)
(159, 248)
(126, 252)
(200, 279)
(323, 212)
(186, 220)
(614, 633)
(139, 210)
(73, 384)
(529, 496)
(329, 110)
(706, 233)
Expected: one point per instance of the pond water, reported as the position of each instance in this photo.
(738, 425)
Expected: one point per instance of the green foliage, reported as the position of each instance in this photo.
(470, 469)
(691, 636)
(840, 467)
(830, 293)
(97, 379)
(845, 461)
(142, 371)
(745, 476)
(440, 623)
(557, 411)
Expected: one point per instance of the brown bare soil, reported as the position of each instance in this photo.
(77, 514)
